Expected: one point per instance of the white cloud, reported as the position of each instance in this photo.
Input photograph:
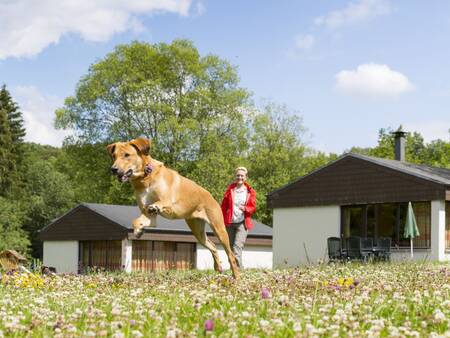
(431, 130)
(200, 8)
(29, 26)
(304, 42)
(373, 80)
(39, 111)
(355, 12)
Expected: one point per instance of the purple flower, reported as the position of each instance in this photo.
(265, 293)
(356, 282)
(132, 322)
(209, 325)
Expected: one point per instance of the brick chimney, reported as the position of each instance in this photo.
(400, 139)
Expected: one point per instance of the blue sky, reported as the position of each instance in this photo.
(348, 68)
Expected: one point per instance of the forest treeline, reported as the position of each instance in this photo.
(200, 120)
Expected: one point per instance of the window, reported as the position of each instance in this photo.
(388, 220)
(100, 254)
(353, 221)
(161, 255)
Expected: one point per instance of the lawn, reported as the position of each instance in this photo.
(325, 300)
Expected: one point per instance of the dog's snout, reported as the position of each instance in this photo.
(114, 170)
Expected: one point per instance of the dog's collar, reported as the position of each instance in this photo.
(148, 169)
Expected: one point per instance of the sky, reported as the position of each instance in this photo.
(348, 68)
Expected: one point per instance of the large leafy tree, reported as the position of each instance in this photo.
(49, 192)
(12, 236)
(278, 153)
(435, 153)
(166, 92)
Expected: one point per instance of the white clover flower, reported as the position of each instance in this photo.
(264, 323)
(118, 334)
(277, 322)
(438, 316)
(297, 327)
(137, 334)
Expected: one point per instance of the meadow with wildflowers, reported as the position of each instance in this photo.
(395, 300)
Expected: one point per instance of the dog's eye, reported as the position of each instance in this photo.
(126, 155)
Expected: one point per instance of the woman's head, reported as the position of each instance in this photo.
(240, 175)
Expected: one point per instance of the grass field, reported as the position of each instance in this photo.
(326, 300)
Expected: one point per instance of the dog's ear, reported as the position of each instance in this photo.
(141, 144)
(110, 148)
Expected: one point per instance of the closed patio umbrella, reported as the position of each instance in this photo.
(411, 229)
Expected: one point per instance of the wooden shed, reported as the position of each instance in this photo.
(11, 259)
(101, 236)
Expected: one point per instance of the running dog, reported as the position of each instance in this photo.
(163, 191)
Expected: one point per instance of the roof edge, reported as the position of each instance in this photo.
(308, 175)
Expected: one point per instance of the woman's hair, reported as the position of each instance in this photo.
(244, 169)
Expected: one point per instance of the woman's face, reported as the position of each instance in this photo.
(240, 176)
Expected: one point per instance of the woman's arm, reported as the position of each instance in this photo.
(250, 207)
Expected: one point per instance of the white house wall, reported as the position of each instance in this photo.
(300, 234)
(62, 255)
(252, 257)
(438, 230)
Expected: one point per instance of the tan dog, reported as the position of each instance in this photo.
(160, 190)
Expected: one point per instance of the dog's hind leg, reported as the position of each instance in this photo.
(217, 225)
(198, 229)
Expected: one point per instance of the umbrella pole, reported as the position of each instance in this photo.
(411, 247)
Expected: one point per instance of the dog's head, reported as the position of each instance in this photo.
(129, 158)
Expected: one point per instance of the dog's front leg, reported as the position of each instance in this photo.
(160, 208)
(141, 222)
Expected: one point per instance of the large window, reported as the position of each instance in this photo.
(100, 254)
(388, 220)
(159, 255)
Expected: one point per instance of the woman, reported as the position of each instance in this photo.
(239, 203)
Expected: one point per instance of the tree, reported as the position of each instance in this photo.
(15, 120)
(49, 193)
(166, 92)
(6, 163)
(12, 236)
(436, 153)
(278, 154)
(11, 142)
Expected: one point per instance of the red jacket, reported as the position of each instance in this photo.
(250, 205)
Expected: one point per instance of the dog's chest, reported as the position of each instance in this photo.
(146, 197)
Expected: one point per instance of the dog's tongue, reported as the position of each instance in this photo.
(124, 178)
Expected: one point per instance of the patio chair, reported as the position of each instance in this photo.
(334, 249)
(367, 244)
(384, 248)
(354, 249)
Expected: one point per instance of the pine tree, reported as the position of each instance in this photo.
(15, 121)
(7, 165)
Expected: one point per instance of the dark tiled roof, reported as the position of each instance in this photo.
(124, 215)
(438, 175)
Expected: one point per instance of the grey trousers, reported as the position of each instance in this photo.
(237, 233)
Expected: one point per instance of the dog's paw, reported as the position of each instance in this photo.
(153, 209)
(138, 232)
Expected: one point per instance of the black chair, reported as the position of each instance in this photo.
(334, 249)
(384, 248)
(354, 249)
(367, 245)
